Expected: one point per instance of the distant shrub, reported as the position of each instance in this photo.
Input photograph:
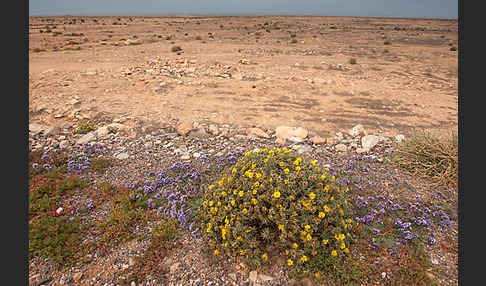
(176, 49)
(352, 61)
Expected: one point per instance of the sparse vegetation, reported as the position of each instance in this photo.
(176, 49)
(429, 156)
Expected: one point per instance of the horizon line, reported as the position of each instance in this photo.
(236, 15)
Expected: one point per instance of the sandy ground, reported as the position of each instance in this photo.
(261, 71)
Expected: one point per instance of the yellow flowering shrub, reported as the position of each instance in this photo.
(264, 201)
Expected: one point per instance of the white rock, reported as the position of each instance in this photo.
(122, 156)
(253, 276)
(399, 137)
(370, 141)
(91, 136)
(357, 130)
(59, 210)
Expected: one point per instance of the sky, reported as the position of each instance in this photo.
(442, 9)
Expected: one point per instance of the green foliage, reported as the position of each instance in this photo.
(57, 238)
(272, 198)
(84, 128)
(119, 226)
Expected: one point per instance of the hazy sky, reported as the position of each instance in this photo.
(372, 8)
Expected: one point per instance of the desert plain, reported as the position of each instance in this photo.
(326, 74)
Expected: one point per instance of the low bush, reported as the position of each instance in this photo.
(274, 200)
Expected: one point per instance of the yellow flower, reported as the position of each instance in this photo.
(307, 227)
(281, 164)
(254, 192)
(334, 253)
(286, 181)
(341, 212)
(286, 171)
(343, 245)
(254, 201)
(317, 275)
(211, 203)
(346, 250)
(234, 192)
(295, 245)
(240, 193)
(264, 256)
(281, 227)
(325, 241)
(216, 252)
(258, 175)
(322, 215)
(233, 171)
(312, 196)
(245, 211)
(341, 236)
(326, 188)
(290, 262)
(313, 162)
(233, 202)
(276, 194)
(297, 168)
(212, 186)
(304, 258)
(314, 253)
(308, 237)
(223, 233)
(223, 193)
(253, 166)
(323, 177)
(326, 208)
(256, 184)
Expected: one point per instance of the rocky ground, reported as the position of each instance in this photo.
(144, 148)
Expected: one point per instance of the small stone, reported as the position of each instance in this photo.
(78, 276)
(184, 128)
(370, 141)
(330, 141)
(341, 147)
(213, 129)
(287, 131)
(122, 156)
(185, 157)
(59, 210)
(133, 283)
(199, 133)
(196, 155)
(357, 130)
(253, 276)
(399, 137)
(362, 150)
(256, 133)
(91, 136)
(52, 131)
(317, 140)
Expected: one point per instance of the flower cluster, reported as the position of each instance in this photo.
(271, 196)
(167, 193)
(81, 157)
(411, 221)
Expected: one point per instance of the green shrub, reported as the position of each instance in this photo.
(84, 128)
(57, 238)
(274, 199)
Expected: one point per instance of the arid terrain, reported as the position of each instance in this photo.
(324, 73)
(157, 94)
